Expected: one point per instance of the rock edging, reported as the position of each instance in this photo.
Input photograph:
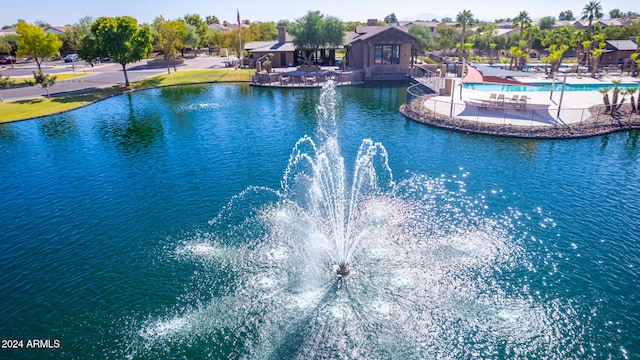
(593, 126)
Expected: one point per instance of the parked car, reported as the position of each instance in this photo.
(71, 58)
(7, 60)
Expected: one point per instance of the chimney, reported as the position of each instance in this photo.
(372, 22)
(282, 34)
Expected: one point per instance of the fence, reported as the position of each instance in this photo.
(309, 80)
(536, 122)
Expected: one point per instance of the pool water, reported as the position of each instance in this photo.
(544, 86)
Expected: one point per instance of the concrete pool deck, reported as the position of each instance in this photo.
(578, 114)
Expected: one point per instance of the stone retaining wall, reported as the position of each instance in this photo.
(598, 124)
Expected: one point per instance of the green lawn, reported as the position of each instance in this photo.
(30, 108)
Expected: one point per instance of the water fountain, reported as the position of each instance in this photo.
(340, 264)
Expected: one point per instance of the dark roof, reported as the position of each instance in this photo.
(622, 45)
(375, 31)
(269, 46)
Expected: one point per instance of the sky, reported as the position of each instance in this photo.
(58, 13)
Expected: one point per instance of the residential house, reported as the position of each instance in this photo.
(56, 29)
(383, 52)
(219, 27)
(616, 51)
(431, 25)
(283, 50)
(8, 31)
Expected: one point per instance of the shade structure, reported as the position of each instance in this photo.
(496, 76)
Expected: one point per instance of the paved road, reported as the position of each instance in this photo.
(103, 75)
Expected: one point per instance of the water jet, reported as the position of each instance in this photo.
(425, 271)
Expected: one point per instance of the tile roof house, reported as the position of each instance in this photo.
(283, 50)
(616, 51)
(218, 27)
(383, 52)
(56, 29)
(8, 31)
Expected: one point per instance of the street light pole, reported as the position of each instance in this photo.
(453, 90)
(564, 82)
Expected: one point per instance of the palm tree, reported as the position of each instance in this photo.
(592, 10)
(605, 98)
(632, 91)
(464, 18)
(614, 101)
(521, 21)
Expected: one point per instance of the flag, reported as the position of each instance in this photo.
(238, 19)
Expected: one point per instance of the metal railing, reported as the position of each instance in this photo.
(511, 120)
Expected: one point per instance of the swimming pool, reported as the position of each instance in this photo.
(543, 86)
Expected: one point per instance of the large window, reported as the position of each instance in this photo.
(387, 54)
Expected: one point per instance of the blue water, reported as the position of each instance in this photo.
(546, 86)
(96, 201)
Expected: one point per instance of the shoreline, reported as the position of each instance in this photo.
(117, 90)
(600, 124)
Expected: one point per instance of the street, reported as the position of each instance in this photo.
(101, 75)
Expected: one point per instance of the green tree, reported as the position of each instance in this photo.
(45, 80)
(422, 33)
(41, 23)
(352, 25)
(119, 38)
(592, 11)
(212, 19)
(33, 41)
(464, 19)
(263, 31)
(5, 83)
(391, 19)
(521, 21)
(9, 45)
(315, 30)
(72, 37)
(447, 36)
(201, 27)
(547, 22)
(566, 15)
(169, 35)
(192, 39)
(616, 13)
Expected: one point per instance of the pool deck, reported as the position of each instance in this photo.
(545, 115)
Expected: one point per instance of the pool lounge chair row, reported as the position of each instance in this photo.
(498, 101)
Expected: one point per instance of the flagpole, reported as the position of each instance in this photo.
(239, 36)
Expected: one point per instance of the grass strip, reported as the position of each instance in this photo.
(30, 108)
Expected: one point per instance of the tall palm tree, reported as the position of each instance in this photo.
(521, 21)
(464, 18)
(592, 10)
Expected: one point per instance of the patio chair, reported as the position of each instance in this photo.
(514, 100)
(500, 101)
(523, 101)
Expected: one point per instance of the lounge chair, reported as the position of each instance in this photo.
(500, 101)
(514, 99)
(523, 101)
